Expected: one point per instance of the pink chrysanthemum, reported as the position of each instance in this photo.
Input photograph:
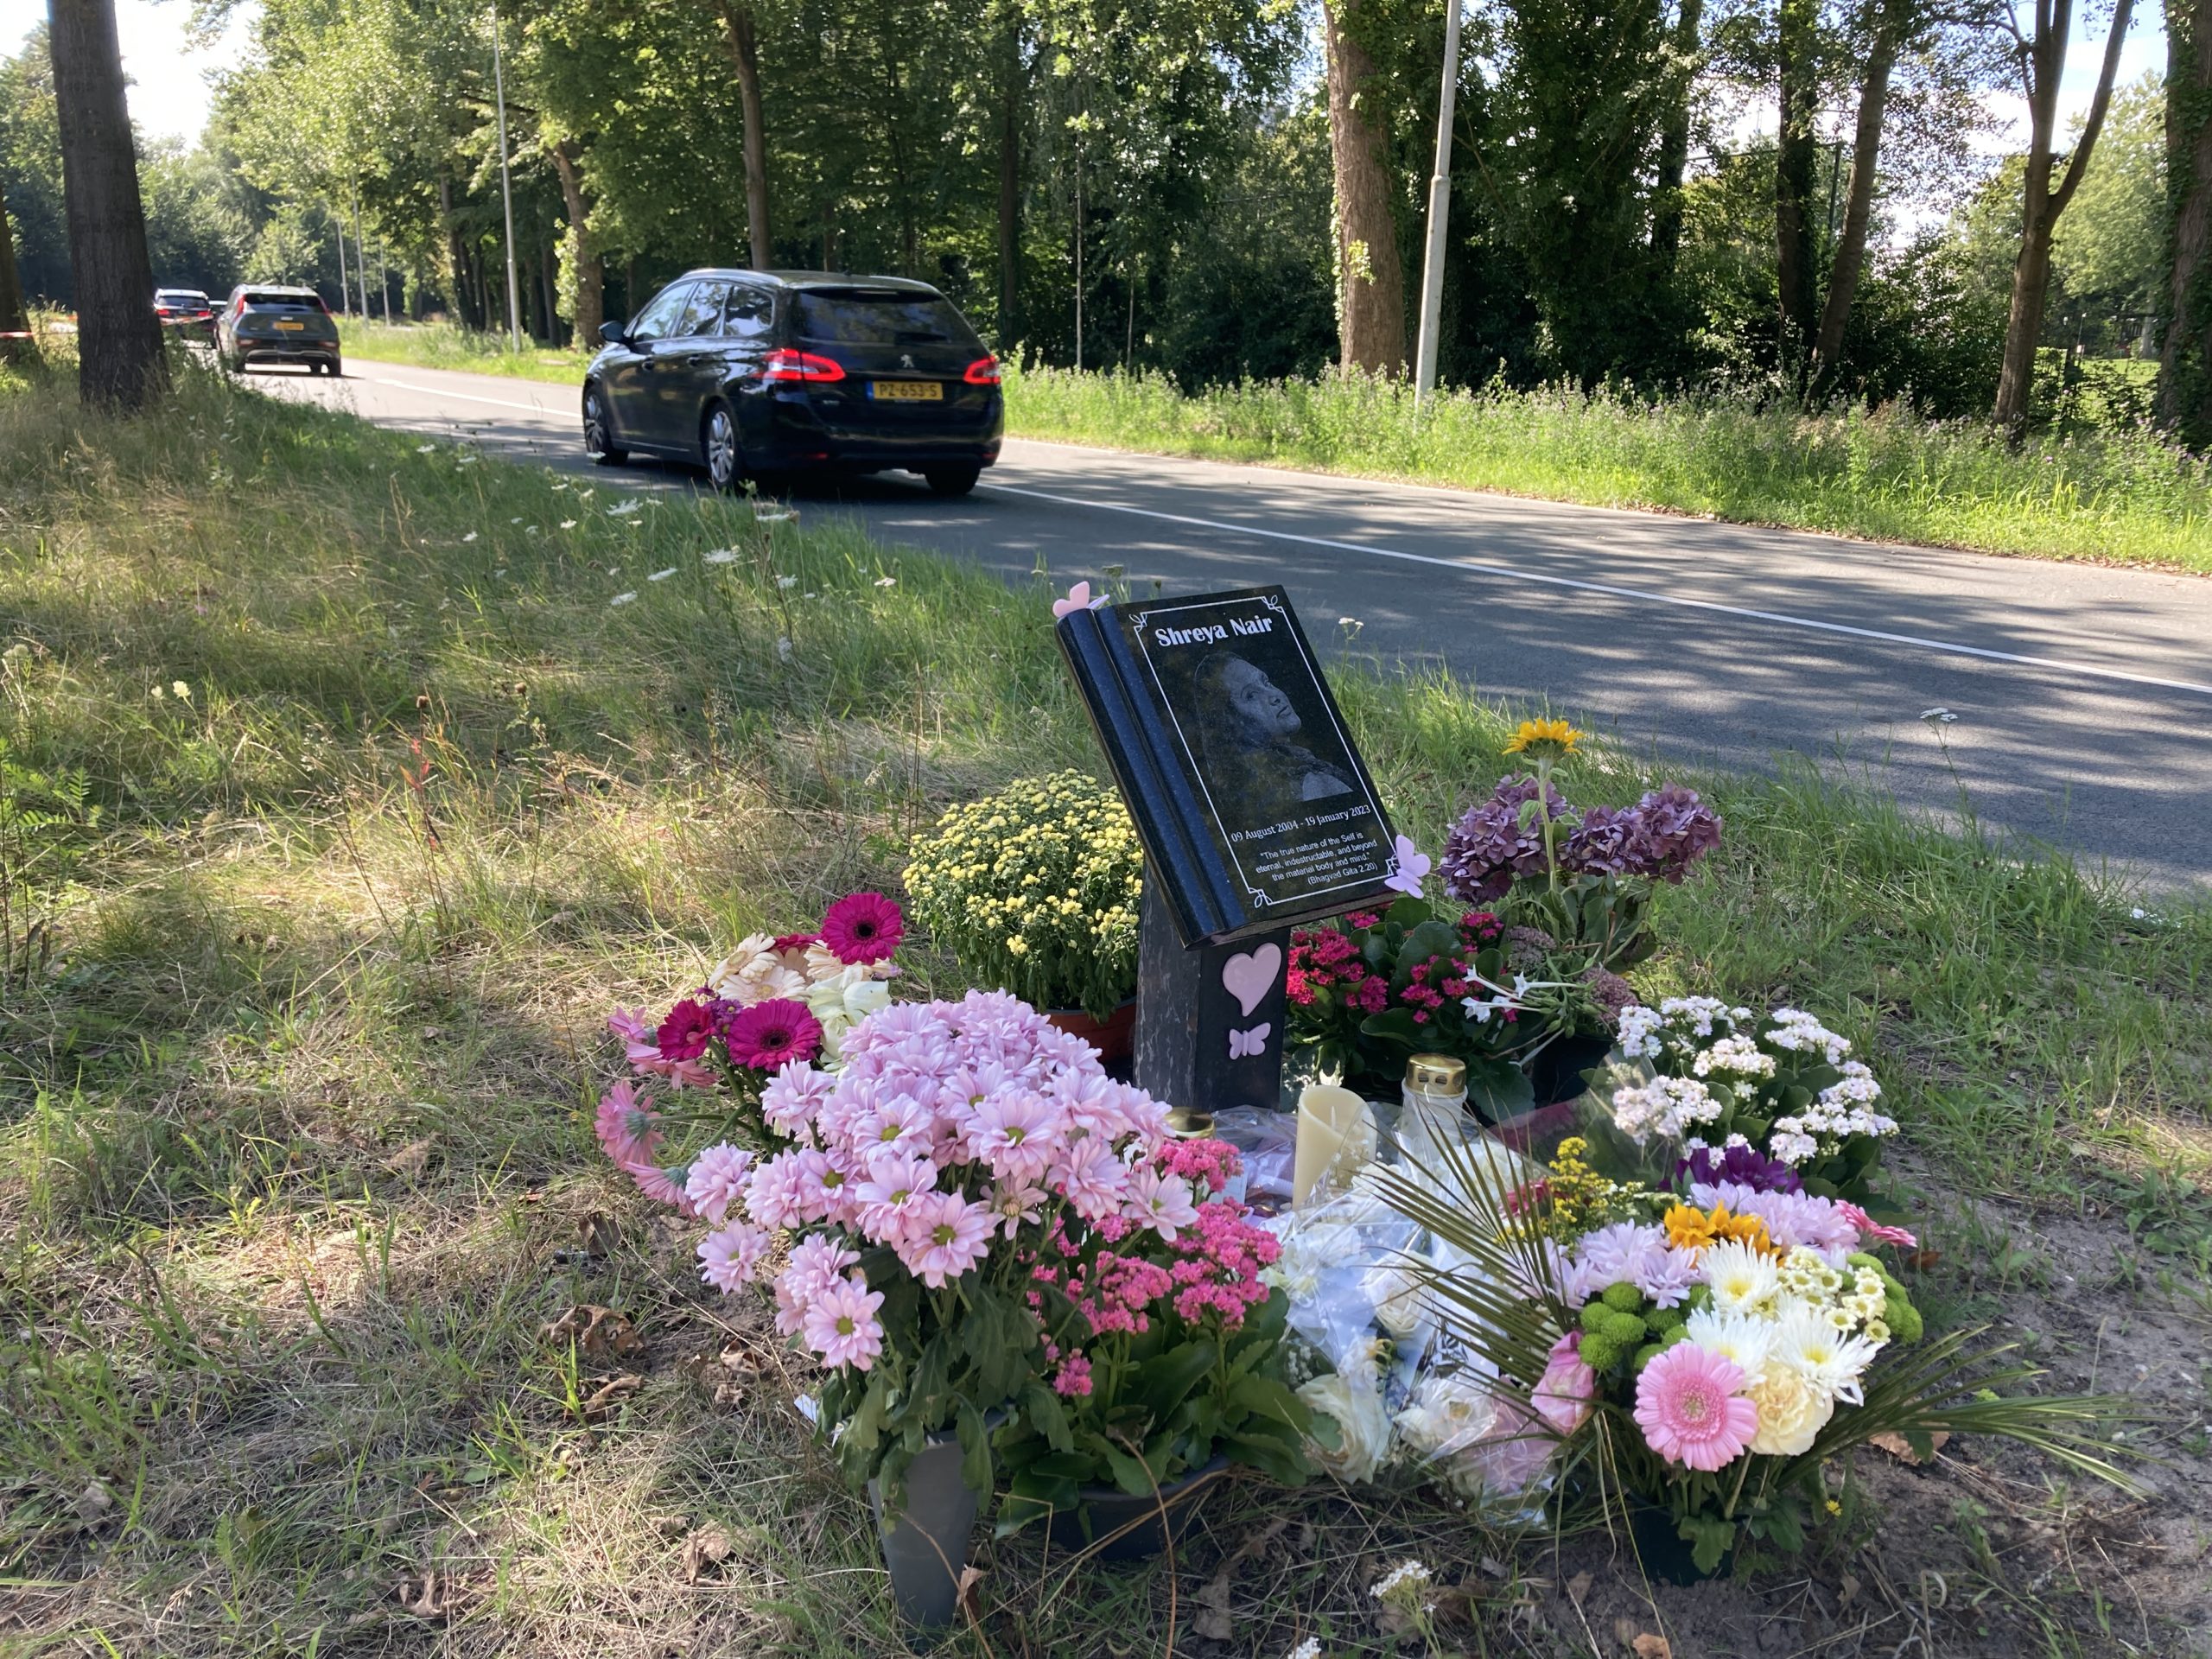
(684, 1034)
(729, 1256)
(942, 1235)
(1093, 1179)
(1689, 1407)
(717, 1180)
(894, 1180)
(1160, 1202)
(772, 1034)
(841, 1324)
(864, 927)
(1015, 1132)
(816, 1264)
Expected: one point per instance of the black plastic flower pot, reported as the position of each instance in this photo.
(1556, 1072)
(1126, 1529)
(1663, 1551)
(925, 1544)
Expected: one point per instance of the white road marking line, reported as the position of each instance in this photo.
(1483, 567)
(465, 397)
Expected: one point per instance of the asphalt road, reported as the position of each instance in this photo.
(2084, 695)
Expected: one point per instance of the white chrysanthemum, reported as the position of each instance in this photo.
(1737, 1336)
(1830, 1360)
(1742, 1279)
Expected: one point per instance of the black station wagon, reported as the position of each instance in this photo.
(761, 374)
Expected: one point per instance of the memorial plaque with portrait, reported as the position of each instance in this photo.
(1254, 808)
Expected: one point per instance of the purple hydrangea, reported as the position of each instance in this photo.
(1658, 838)
(1745, 1165)
(1488, 850)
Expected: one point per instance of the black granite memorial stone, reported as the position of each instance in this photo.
(1255, 813)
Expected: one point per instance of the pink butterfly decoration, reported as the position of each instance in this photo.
(1078, 599)
(1248, 1045)
(1413, 866)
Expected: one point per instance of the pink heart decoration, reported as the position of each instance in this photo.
(1250, 974)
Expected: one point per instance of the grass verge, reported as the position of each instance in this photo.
(346, 786)
(443, 346)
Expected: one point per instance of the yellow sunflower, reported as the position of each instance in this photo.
(1543, 740)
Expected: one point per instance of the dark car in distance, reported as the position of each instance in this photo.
(187, 310)
(264, 323)
(762, 373)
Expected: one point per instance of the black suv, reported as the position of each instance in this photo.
(264, 323)
(757, 373)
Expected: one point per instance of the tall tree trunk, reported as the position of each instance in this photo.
(2044, 61)
(2185, 354)
(739, 36)
(1795, 151)
(119, 340)
(13, 320)
(1370, 286)
(1010, 125)
(1675, 140)
(587, 274)
(1887, 18)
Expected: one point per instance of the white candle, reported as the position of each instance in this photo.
(1336, 1136)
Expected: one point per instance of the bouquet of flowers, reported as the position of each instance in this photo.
(772, 1002)
(912, 1196)
(1583, 875)
(1372, 988)
(1163, 1342)
(1782, 1087)
(1037, 889)
(1713, 1347)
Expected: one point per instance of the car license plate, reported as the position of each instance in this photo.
(906, 391)
(292, 327)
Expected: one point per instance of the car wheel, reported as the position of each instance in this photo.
(951, 481)
(718, 446)
(599, 430)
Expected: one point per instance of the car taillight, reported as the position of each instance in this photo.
(799, 365)
(983, 372)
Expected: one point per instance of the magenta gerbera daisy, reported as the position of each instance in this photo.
(864, 927)
(771, 1034)
(684, 1033)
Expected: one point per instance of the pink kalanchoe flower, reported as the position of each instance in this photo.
(1872, 1231)
(1073, 1378)
(686, 1032)
(627, 1127)
(1564, 1395)
(1160, 1202)
(1688, 1406)
(841, 1324)
(717, 1180)
(770, 1035)
(864, 927)
(942, 1235)
(730, 1256)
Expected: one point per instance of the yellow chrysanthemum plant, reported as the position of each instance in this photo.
(1035, 890)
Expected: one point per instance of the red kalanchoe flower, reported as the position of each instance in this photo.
(770, 1035)
(684, 1033)
(794, 942)
(864, 927)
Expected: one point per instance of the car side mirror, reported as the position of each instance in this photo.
(612, 333)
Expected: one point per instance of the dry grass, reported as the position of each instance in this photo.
(294, 1159)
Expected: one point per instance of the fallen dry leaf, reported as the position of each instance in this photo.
(1649, 1646)
(412, 1158)
(966, 1597)
(1898, 1448)
(1577, 1588)
(709, 1547)
(600, 1333)
(611, 1394)
(1213, 1622)
(597, 1235)
(432, 1598)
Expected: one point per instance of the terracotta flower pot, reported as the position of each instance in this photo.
(1112, 1036)
(1126, 1529)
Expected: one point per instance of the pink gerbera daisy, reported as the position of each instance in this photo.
(841, 1324)
(770, 1035)
(864, 927)
(684, 1034)
(942, 1234)
(1873, 1232)
(1689, 1409)
(626, 1125)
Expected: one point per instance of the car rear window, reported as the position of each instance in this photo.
(178, 296)
(883, 317)
(283, 302)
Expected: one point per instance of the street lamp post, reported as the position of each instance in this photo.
(506, 189)
(1439, 203)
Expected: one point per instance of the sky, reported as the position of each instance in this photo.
(169, 91)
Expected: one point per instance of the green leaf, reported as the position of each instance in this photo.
(1709, 1539)
(1282, 1462)
(1264, 1396)
(974, 1448)
(1130, 1474)
(1162, 1382)
(1050, 1418)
